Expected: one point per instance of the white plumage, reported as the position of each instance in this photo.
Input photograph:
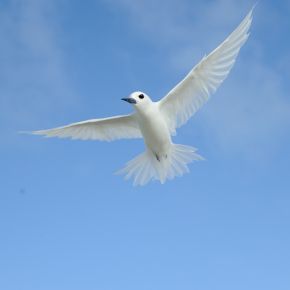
(156, 122)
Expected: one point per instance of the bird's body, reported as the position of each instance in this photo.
(156, 122)
(162, 159)
(154, 129)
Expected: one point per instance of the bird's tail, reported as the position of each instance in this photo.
(147, 166)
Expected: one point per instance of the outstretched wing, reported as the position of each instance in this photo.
(107, 129)
(193, 91)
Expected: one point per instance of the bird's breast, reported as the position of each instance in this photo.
(155, 131)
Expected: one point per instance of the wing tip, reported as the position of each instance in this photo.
(254, 6)
(28, 132)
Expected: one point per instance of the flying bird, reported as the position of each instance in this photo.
(156, 122)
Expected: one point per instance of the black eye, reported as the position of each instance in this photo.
(141, 96)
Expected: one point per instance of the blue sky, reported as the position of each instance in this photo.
(66, 222)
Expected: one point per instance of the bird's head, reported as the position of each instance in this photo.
(139, 100)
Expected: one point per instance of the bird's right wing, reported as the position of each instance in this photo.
(202, 81)
(107, 129)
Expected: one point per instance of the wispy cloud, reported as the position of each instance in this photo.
(33, 75)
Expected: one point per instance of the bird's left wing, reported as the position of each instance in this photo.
(193, 91)
(107, 129)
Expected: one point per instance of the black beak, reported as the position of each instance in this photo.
(129, 100)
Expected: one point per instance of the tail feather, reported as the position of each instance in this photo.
(145, 166)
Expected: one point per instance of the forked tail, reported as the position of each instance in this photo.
(146, 166)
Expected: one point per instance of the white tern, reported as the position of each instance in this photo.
(156, 122)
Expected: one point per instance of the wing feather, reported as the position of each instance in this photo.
(203, 80)
(107, 129)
